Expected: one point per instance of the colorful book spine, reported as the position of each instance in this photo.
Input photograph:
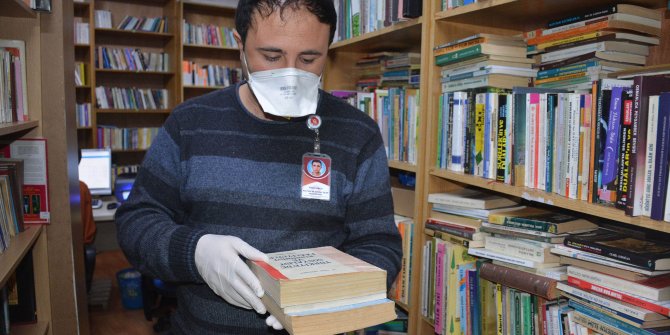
(611, 147)
(662, 156)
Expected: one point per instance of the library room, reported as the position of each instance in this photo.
(335, 167)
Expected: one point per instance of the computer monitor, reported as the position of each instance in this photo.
(95, 169)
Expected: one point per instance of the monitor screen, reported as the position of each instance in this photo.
(95, 169)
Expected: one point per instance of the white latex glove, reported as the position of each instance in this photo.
(271, 321)
(217, 258)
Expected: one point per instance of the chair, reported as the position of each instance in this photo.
(159, 300)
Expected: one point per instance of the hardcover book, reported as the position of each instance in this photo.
(646, 253)
(521, 280)
(316, 275)
(540, 220)
(471, 199)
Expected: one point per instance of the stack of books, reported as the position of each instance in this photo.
(209, 75)
(388, 69)
(618, 281)
(400, 289)
(484, 60)
(359, 17)
(323, 291)
(572, 52)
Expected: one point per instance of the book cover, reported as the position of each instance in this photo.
(654, 288)
(660, 180)
(315, 275)
(643, 252)
(541, 220)
(626, 137)
(521, 280)
(611, 151)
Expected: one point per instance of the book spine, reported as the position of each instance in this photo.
(612, 304)
(502, 135)
(439, 286)
(611, 147)
(583, 16)
(618, 324)
(661, 163)
(638, 142)
(479, 134)
(650, 155)
(519, 139)
(456, 231)
(597, 325)
(621, 296)
(521, 248)
(614, 253)
(527, 282)
(458, 55)
(624, 152)
(519, 222)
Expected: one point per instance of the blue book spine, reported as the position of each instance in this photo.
(551, 111)
(661, 164)
(612, 140)
(625, 327)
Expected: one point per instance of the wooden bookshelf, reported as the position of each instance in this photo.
(18, 248)
(131, 72)
(16, 8)
(395, 36)
(404, 166)
(17, 127)
(133, 111)
(39, 328)
(210, 47)
(133, 33)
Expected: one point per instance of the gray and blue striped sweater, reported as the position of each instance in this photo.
(216, 169)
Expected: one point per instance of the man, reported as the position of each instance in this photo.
(316, 168)
(222, 180)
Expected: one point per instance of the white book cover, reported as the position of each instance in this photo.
(619, 306)
(525, 249)
(585, 142)
(529, 161)
(542, 143)
(650, 154)
(573, 145)
(458, 131)
(492, 140)
(483, 252)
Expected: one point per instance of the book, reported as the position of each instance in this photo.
(655, 288)
(315, 275)
(541, 220)
(602, 260)
(642, 252)
(521, 280)
(494, 255)
(604, 11)
(333, 320)
(471, 198)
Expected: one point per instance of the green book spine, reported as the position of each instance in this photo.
(520, 222)
(458, 55)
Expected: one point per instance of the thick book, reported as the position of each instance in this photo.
(333, 320)
(655, 288)
(646, 253)
(661, 169)
(541, 220)
(521, 280)
(643, 87)
(471, 198)
(315, 275)
(604, 11)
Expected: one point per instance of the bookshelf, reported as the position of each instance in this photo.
(511, 17)
(60, 293)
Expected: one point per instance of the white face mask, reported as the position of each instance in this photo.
(286, 92)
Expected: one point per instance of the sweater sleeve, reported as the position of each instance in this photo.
(373, 236)
(150, 225)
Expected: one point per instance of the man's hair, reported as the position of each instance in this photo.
(324, 10)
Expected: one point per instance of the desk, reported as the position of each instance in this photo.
(105, 238)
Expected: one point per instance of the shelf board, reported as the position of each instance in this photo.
(81, 4)
(82, 46)
(402, 166)
(126, 151)
(209, 47)
(16, 8)
(553, 199)
(14, 127)
(18, 248)
(395, 36)
(163, 73)
(132, 111)
(646, 70)
(514, 14)
(38, 328)
(84, 128)
(82, 87)
(132, 33)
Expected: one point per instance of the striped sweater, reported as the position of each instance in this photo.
(216, 169)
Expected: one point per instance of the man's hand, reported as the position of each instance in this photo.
(217, 258)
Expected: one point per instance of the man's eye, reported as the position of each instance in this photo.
(272, 59)
(308, 60)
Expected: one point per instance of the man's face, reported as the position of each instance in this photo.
(298, 41)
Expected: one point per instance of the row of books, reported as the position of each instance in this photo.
(125, 138)
(604, 278)
(396, 111)
(388, 69)
(130, 59)
(131, 98)
(358, 17)
(102, 18)
(574, 51)
(11, 200)
(150, 24)
(81, 31)
(209, 75)
(13, 97)
(451, 4)
(208, 34)
(80, 74)
(83, 115)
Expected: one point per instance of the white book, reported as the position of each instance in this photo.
(542, 143)
(585, 135)
(492, 140)
(650, 155)
(572, 143)
(598, 259)
(557, 273)
(531, 116)
(621, 285)
(483, 252)
(525, 249)
(458, 131)
(605, 46)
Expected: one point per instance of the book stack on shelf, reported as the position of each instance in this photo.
(148, 24)
(81, 77)
(208, 34)
(81, 31)
(574, 51)
(125, 139)
(128, 59)
(323, 291)
(13, 93)
(103, 19)
(83, 115)
(360, 17)
(618, 281)
(209, 75)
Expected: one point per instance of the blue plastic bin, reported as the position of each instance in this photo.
(130, 286)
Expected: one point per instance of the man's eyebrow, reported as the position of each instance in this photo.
(312, 53)
(270, 49)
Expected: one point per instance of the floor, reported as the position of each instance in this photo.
(114, 319)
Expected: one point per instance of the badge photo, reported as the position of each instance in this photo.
(315, 176)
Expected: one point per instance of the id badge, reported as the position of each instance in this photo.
(315, 176)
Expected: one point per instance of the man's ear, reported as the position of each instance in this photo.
(238, 39)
